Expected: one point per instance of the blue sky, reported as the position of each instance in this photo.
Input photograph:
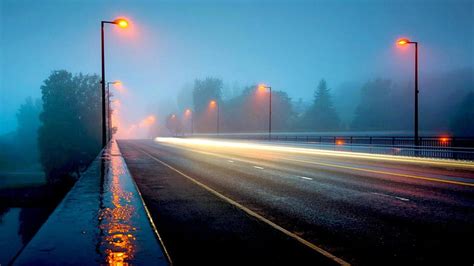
(288, 44)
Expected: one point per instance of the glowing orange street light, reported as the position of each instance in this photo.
(214, 104)
(405, 41)
(263, 87)
(122, 23)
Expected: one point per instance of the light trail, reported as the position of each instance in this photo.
(216, 144)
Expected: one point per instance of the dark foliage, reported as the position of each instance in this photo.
(69, 137)
(321, 116)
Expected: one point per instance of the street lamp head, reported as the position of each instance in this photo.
(403, 41)
(121, 22)
(213, 103)
(262, 87)
(117, 82)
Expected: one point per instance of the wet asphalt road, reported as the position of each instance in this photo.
(361, 210)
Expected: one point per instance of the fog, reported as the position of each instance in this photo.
(289, 45)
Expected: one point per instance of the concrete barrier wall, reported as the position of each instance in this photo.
(102, 220)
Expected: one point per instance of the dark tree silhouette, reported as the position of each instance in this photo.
(27, 130)
(322, 115)
(69, 137)
(204, 91)
(375, 110)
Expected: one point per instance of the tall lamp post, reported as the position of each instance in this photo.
(109, 115)
(213, 104)
(405, 42)
(122, 23)
(190, 114)
(263, 87)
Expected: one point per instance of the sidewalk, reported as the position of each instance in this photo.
(102, 220)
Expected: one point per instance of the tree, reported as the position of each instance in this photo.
(376, 109)
(204, 91)
(322, 115)
(185, 97)
(70, 134)
(27, 129)
(462, 122)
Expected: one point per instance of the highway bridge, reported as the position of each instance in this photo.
(215, 201)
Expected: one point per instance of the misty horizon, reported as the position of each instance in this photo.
(291, 46)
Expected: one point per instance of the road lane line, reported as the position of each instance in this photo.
(385, 173)
(402, 199)
(258, 167)
(307, 178)
(254, 214)
(390, 196)
(230, 161)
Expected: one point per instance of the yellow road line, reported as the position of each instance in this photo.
(254, 214)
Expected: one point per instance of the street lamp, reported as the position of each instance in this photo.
(405, 42)
(109, 115)
(174, 124)
(122, 23)
(263, 87)
(190, 114)
(214, 104)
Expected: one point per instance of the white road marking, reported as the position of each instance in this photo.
(390, 196)
(230, 161)
(307, 178)
(403, 199)
(258, 167)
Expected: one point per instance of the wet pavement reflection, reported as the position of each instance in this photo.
(125, 236)
(117, 231)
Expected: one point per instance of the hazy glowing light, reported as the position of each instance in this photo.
(403, 41)
(340, 142)
(444, 139)
(213, 103)
(122, 23)
(262, 87)
(148, 121)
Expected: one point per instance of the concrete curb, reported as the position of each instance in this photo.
(102, 220)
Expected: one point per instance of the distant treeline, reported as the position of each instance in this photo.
(61, 130)
(446, 105)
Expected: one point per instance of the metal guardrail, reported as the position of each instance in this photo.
(458, 148)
